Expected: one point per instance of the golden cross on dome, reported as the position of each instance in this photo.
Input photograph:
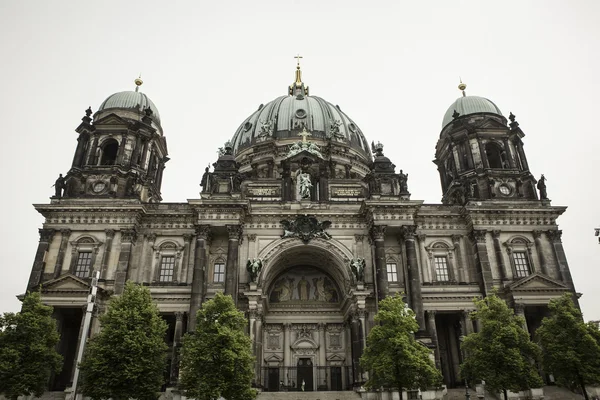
(304, 134)
(298, 57)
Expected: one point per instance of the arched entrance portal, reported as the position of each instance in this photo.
(307, 300)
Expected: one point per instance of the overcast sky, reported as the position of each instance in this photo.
(392, 66)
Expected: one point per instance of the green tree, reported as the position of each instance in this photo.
(126, 359)
(393, 357)
(28, 354)
(216, 359)
(571, 347)
(501, 354)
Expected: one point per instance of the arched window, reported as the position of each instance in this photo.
(110, 148)
(83, 256)
(494, 155)
(168, 256)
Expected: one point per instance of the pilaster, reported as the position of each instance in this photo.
(378, 237)
(416, 301)
(39, 262)
(202, 236)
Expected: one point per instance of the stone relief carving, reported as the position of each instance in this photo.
(305, 228)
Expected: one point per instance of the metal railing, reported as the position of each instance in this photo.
(309, 379)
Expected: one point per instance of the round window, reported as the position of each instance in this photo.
(247, 126)
(300, 113)
(505, 190)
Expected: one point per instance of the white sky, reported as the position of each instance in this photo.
(392, 66)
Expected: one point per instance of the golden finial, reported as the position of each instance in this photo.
(298, 72)
(138, 82)
(462, 86)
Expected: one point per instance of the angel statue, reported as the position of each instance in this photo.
(358, 268)
(254, 267)
(305, 186)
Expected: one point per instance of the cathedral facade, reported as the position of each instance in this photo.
(306, 225)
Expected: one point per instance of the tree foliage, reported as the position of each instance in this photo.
(216, 359)
(127, 358)
(501, 354)
(393, 357)
(27, 349)
(571, 347)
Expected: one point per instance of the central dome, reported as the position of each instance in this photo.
(286, 116)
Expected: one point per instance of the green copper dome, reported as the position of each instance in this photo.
(130, 100)
(467, 105)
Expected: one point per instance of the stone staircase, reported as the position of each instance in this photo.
(346, 395)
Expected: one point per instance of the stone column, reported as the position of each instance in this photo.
(434, 336)
(110, 234)
(322, 347)
(520, 311)
(176, 347)
(521, 152)
(363, 328)
(425, 269)
(508, 151)
(202, 236)
(60, 258)
(378, 237)
(79, 153)
(467, 322)
(462, 271)
(287, 343)
(91, 159)
(499, 255)
(540, 252)
(561, 259)
(483, 155)
(416, 302)
(128, 237)
(356, 348)
(258, 345)
(39, 262)
(231, 268)
(484, 271)
(146, 273)
(187, 241)
(121, 151)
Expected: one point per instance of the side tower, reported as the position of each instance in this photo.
(121, 154)
(479, 157)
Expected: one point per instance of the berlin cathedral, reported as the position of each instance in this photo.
(306, 224)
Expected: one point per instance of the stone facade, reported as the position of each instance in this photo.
(328, 225)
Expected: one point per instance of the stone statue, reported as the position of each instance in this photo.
(541, 185)
(266, 129)
(305, 186)
(254, 267)
(403, 178)
(205, 181)
(237, 180)
(358, 268)
(59, 185)
(334, 130)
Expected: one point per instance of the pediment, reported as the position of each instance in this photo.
(490, 123)
(335, 357)
(537, 282)
(305, 343)
(305, 154)
(274, 358)
(66, 283)
(111, 119)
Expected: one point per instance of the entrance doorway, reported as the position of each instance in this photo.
(336, 378)
(305, 374)
(273, 380)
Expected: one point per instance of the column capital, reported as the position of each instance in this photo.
(378, 232)
(359, 238)
(496, 233)
(555, 235)
(322, 326)
(202, 232)
(519, 308)
(128, 235)
(456, 238)
(536, 234)
(65, 232)
(110, 233)
(408, 232)
(151, 237)
(179, 316)
(478, 236)
(421, 237)
(431, 314)
(234, 231)
(187, 237)
(46, 234)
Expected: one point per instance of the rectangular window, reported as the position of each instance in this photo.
(167, 268)
(219, 274)
(521, 264)
(392, 272)
(84, 264)
(441, 268)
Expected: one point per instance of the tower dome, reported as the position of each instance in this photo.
(286, 116)
(467, 105)
(130, 104)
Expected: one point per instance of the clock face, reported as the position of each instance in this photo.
(505, 190)
(98, 187)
